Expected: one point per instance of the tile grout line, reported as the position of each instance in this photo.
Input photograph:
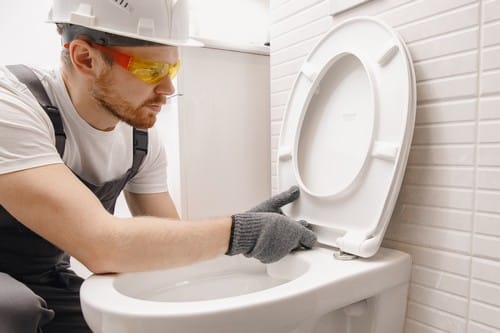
(476, 158)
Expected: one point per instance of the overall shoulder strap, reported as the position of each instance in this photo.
(140, 148)
(29, 78)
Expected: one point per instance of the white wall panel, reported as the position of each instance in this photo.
(463, 63)
(452, 43)
(437, 196)
(441, 239)
(434, 26)
(448, 88)
(485, 292)
(491, 58)
(420, 10)
(439, 319)
(450, 177)
(442, 155)
(489, 108)
(436, 259)
(451, 283)
(485, 314)
(491, 34)
(413, 326)
(444, 133)
(434, 217)
(478, 328)
(488, 224)
(485, 247)
(223, 133)
(435, 299)
(489, 155)
(490, 81)
(454, 111)
(491, 10)
(485, 270)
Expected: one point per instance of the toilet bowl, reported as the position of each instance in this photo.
(236, 294)
(344, 141)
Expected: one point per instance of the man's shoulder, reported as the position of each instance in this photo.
(9, 83)
(21, 106)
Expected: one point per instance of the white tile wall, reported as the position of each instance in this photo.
(448, 212)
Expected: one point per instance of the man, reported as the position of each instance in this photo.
(67, 153)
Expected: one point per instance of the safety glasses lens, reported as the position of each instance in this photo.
(152, 72)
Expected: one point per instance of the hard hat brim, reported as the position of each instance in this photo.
(134, 39)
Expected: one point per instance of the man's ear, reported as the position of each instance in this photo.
(82, 56)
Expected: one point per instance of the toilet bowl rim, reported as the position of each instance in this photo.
(98, 291)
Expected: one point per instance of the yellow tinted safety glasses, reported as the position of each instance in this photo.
(149, 71)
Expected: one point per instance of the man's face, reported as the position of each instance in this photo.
(129, 98)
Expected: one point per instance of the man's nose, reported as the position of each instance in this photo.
(165, 87)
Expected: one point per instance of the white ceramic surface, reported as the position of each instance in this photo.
(295, 290)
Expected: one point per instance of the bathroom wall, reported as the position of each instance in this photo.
(448, 213)
(24, 35)
(217, 133)
(231, 21)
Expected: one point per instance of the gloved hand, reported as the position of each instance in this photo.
(269, 236)
(274, 204)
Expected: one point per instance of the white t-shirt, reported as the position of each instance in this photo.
(27, 138)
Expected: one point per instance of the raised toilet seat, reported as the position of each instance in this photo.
(345, 140)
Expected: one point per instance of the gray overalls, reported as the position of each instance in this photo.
(38, 291)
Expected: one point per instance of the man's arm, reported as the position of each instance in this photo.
(151, 204)
(53, 203)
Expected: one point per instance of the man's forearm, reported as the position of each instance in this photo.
(148, 243)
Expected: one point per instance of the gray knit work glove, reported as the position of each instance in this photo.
(269, 236)
(274, 204)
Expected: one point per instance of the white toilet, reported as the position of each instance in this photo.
(345, 140)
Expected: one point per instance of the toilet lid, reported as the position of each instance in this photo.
(346, 134)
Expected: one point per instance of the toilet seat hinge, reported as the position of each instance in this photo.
(341, 255)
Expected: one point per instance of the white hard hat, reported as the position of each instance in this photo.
(158, 21)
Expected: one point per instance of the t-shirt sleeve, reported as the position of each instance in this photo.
(26, 134)
(152, 174)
